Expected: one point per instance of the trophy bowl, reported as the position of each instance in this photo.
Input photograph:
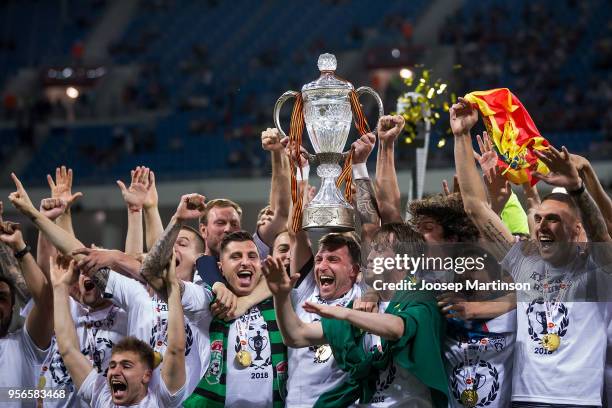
(327, 115)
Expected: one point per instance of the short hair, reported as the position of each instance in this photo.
(563, 198)
(219, 203)
(236, 236)
(144, 351)
(446, 210)
(407, 240)
(200, 242)
(334, 240)
(11, 284)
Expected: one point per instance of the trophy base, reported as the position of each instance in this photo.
(331, 218)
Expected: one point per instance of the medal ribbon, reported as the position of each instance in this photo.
(92, 331)
(554, 304)
(471, 368)
(160, 335)
(242, 331)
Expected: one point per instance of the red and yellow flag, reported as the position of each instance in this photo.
(513, 132)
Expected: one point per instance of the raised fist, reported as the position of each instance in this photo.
(271, 140)
(389, 128)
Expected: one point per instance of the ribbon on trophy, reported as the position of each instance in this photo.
(295, 142)
(514, 133)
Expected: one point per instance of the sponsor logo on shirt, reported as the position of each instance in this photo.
(213, 373)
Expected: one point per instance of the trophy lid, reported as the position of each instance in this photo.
(328, 79)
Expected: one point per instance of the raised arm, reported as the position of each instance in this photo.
(190, 207)
(365, 201)
(52, 208)
(10, 267)
(387, 187)
(387, 326)
(295, 332)
(61, 189)
(38, 323)
(595, 189)
(280, 190)
(173, 371)
(533, 201)
(301, 250)
(495, 234)
(134, 197)
(564, 173)
(64, 241)
(63, 278)
(497, 186)
(153, 223)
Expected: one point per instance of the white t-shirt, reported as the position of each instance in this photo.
(262, 247)
(608, 375)
(313, 370)
(20, 362)
(487, 367)
(573, 373)
(148, 320)
(251, 386)
(97, 333)
(395, 386)
(96, 391)
(247, 387)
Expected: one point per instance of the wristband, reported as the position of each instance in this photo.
(360, 171)
(304, 173)
(23, 252)
(579, 191)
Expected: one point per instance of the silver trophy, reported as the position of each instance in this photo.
(328, 116)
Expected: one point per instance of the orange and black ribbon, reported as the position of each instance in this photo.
(361, 123)
(295, 143)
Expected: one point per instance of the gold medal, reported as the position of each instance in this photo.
(42, 381)
(157, 359)
(551, 341)
(469, 398)
(323, 353)
(244, 358)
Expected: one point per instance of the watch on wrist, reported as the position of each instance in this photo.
(23, 252)
(579, 190)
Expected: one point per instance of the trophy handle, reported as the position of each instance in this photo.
(366, 89)
(277, 107)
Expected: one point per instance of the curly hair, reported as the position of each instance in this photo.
(446, 210)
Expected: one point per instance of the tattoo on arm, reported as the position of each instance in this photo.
(592, 220)
(158, 257)
(100, 278)
(11, 268)
(367, 208)
(496, 238)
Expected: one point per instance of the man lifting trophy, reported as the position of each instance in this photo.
(326, 106)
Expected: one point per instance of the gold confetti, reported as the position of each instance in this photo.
(432, 99)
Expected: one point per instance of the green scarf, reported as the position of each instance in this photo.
(210, 391)
(419, 351)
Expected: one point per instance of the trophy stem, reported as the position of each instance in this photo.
(329, 210)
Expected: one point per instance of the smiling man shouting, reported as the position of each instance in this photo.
(131, 379)
(248, 364)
